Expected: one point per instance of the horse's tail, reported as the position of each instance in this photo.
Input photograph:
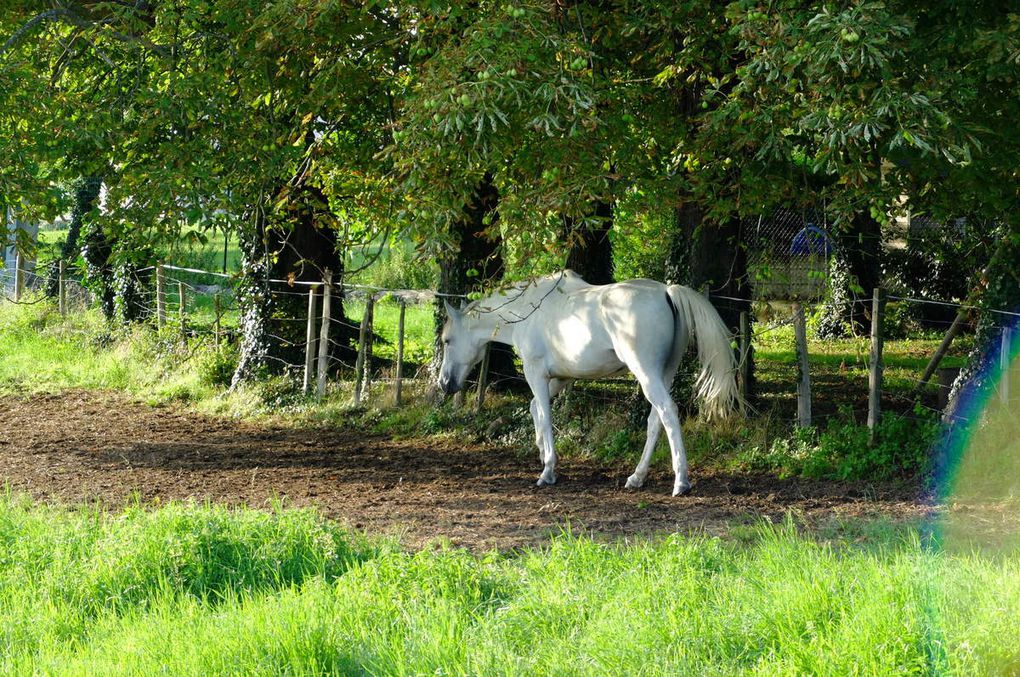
(716, 385)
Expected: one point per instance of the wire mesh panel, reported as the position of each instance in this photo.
(788, 254)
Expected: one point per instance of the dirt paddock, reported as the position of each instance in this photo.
(87, 446)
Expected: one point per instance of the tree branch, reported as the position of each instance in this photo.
(69, 17)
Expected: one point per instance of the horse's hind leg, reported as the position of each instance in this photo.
(662, 404)
(637, 480)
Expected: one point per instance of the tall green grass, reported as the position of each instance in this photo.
(41, 352)
(185, 589)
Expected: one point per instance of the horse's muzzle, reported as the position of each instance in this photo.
(448, 386)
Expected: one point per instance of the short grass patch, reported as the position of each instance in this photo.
(188, 589)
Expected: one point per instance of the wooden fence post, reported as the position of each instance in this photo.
(875, 367)
(483, 379)
(19, 276)
(940, 352)
(216, 324)
(745, 360)
(306, 387)
(369, 343)
(359, 365)
(804, 380)
(181, 306)
(62, 290)
(400, 354)
(1005, 344)
(327, 290)
(160, 297)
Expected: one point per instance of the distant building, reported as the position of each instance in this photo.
(9, 251)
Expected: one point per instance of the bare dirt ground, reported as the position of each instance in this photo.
(80, 447)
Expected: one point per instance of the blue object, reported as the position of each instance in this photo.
(810, 240)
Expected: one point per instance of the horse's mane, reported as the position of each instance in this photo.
(522, 286)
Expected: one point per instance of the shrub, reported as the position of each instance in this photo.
(842, 450)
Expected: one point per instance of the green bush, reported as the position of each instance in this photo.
(842, 450)
(216, 366)
(901, 449)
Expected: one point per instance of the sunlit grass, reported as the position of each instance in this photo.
(197, 590)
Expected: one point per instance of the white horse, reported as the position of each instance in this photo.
(564, 328)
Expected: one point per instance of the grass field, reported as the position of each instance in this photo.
(186, 589)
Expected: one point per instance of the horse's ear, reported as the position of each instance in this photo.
(450, 310)
(463, 305)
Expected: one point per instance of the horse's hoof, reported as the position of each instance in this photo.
(544, 482)
(634, 482)
(682, 490)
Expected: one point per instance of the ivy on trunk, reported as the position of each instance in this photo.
(300, 248)
(854, 272)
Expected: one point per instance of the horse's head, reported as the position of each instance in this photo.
(462, 350)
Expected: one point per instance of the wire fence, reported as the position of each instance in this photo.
(332, 334)
(788, 254)
(27, 287)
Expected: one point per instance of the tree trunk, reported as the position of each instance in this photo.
(590, 253)
(86, 192)
(96, 247)
(1002, 292)
(718, 263)
(476, 261)
(855, 271)
(703, 255)
(131, 278)
(301, 249)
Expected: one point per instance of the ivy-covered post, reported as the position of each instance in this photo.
(86, 193)
(255, 303)
(62, 289)
(1001, 282)
(855, 267)
(97, 250)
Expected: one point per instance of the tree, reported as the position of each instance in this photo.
(262, 113)
(475, 264)
(589, 247)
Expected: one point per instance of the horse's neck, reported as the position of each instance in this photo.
(502, 312)
(493, 327)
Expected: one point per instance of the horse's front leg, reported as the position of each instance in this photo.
(536, 418)
(541, 412)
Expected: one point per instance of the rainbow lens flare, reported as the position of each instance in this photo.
(978, 462)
